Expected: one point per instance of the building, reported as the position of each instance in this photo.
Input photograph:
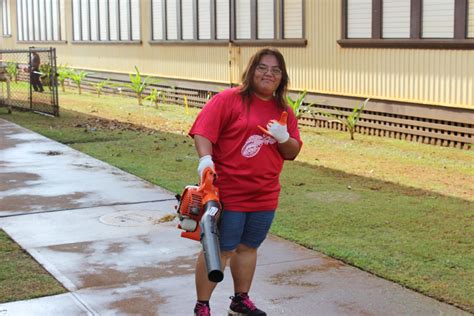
(413, 58)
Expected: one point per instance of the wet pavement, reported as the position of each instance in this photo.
(104, 235)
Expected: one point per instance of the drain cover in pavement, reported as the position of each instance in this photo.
(130, 218)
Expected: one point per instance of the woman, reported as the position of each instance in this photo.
(248, 161)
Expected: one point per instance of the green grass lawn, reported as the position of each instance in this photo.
(403, 211)
(21, 277)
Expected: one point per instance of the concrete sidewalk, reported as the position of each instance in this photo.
(97, 230)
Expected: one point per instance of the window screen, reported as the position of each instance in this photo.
(293, 18)
(106, 20)
(39, 20)
(396, 18)
(359, 18)
(6, 25)
(438, 19)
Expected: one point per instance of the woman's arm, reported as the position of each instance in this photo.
(289, 149)
(203, 145)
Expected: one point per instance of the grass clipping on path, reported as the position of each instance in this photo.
(403, 211)
(21, 277)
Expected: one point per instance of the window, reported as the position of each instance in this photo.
(396, 19)
(243, 19)
(293, 19)
(106, 20)
(407, 23)
(6, 18)
(224, 20)
(359, 18)
(39, 20)
(470, 32)
(437, 19)
(222, 17)
(204, 17)
(266, 19)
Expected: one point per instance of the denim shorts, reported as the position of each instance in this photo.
(248, 228)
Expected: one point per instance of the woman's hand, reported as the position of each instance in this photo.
(278, 129)
(205, 162)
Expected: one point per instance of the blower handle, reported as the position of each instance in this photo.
(210, 192)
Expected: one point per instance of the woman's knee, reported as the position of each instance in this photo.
(227, 254)
(243, 248)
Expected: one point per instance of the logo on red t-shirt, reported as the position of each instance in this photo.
(254, 143)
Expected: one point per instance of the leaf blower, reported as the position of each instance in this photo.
(198, 211)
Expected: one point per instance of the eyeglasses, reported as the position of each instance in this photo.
(262, 68)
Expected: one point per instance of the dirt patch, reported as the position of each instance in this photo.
(85, 166)
(82, 247)
(353, 309)
(282, 299)
(299, 276)
(145, 239)
(165, 219)
(107, 276)
(93, 124)
(52, 153)
(30, 203)
(142, 302)
(13, 180)
(5, 141)
(115, 247)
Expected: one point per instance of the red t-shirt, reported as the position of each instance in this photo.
(247, 161)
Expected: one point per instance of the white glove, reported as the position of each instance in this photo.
(278, 131)
(204, 162)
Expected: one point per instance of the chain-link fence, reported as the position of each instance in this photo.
(28, 80)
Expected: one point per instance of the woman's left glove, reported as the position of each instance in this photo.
(278, 131)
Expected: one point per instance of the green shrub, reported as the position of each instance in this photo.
(350, 121)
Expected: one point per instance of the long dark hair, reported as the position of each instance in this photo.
(247, 88)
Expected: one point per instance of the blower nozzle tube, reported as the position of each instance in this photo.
(210, 241)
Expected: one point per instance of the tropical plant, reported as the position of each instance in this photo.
(138, 84)
(99, 86)
(77, 77)
(12, 70)
(155, 96)
(47, 75)
(349, 121)
(63, 73)
(298, 106)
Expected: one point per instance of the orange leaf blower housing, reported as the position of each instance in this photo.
(198, 212)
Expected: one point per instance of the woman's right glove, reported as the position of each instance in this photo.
(204, 162)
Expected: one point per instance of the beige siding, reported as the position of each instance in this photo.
(470, 32)
(428, 76)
